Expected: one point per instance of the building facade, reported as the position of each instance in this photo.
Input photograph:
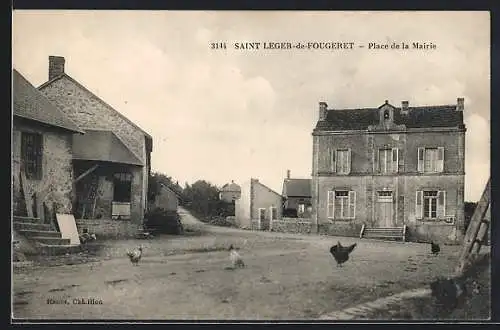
(230, 192)
(42, 172)
(296, 197)
(111, 162)
(257, 206)
(388, 167)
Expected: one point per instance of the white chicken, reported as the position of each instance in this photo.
(135, 255)
(235, 258)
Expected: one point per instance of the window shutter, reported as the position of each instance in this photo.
(352, 204)
(376, 155)
(349, 160)
(332, 159)
(395, 160)
(331, 205)
(420, 160)
(440, 160)
(419, 204)
(441, 204)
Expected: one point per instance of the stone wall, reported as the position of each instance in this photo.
(55, 187)
(292, 225)
(107, 228)
(90, 112)
(347, 229)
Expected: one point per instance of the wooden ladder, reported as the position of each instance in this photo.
(91, 199)
(476, 234)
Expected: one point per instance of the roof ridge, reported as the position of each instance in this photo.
(97, 97)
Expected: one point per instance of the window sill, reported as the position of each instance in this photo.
(341, 220)
(437, 221)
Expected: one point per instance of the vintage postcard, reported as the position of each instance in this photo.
(239, 165)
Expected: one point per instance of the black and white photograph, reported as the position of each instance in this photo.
(250, 165)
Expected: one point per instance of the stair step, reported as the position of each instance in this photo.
(53, 250)
(52, 240)
(40, 233)
(32, 226)
(26, 219)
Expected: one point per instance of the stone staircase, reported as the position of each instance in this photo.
(48, 240)
(392, 233)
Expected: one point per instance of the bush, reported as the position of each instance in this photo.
(163, 221)
(223, 221)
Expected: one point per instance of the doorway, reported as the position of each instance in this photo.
(385, 209)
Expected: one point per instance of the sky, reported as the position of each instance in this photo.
(233, 114)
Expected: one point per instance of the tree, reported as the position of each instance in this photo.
(469, 208)
(203, 199)
(155, 181)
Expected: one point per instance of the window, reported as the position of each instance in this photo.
(341, 204)
(301, 208)
(274, 213)
(340, 161)
(388, 160)
(386, 114)
(430, 160)
(431, 204)
(32, 154)
(262, 214)
(122, 187)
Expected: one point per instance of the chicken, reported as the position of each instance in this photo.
(135, 255)
(451, 292)
(235, 258)
(435, 249)
(341, 253)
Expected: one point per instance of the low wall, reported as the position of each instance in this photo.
(107, 228)
(292, 225)
(338, 228)
(425, 232)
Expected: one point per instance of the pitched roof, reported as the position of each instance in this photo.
(97, 97)
(297, 187)
(256, 181)
(417, 117)
(103, 146)
(29, 103)
(231, 187)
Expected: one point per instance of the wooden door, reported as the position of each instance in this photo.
(385, 209)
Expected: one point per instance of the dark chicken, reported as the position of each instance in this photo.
(435, 249)
(341, 253)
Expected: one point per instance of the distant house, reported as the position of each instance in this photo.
(111, 162)
(230, 192)
(167, 198)
(257, 206)
(41, 152)
(296, 197)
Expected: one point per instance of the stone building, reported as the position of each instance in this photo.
(258, 206)
(41, 153)
(296, 197)
(388, 167)
(111, 161)
(230, 192)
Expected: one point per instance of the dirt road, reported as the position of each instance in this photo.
(287, 277)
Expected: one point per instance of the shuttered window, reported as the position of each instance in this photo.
(341, 204)
(32, 155)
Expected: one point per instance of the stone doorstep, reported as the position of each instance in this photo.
(31, 226)
(26, 219)
(21, 264)
(40, 233)
(52, 250)
(51, 240)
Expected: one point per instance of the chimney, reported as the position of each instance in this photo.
(56, 66)
(322, 110)
(460, 104)
(288, 174)
(404, 107)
